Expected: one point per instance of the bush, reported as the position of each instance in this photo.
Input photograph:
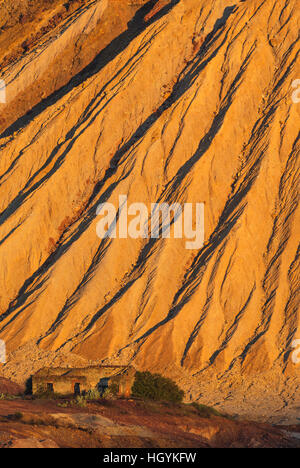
(206, 411)
(93, 394)
(81, 401)
(108, 394)
(64, 404)
(156, 387)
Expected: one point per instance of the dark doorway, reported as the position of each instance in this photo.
(103, 385)
(77, 388)
(50, 388)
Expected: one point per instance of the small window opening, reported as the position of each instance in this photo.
(50, 388)
(77, 388)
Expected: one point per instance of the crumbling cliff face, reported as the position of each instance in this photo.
(170, 101)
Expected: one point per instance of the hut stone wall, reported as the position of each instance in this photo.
(67, 381)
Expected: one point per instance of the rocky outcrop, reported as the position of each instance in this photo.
(135, 424)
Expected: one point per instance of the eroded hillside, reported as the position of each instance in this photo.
(169, 101)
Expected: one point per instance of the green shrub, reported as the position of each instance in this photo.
(93, 394)
(4, 396)
(156, 387)
(108, 394)
(206, 411)
(72, 403)
(65, 404)
(81, 401)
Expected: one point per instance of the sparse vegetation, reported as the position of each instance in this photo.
(193, 410)
(47, 395)
(64, 404)
(156, 387)
(81, 401)
(108, 394)
(206, 411)
(4, 396)
(93, 394)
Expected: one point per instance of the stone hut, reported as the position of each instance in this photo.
(67, 381)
